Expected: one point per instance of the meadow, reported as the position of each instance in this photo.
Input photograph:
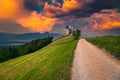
(52, 62)
(108, 43)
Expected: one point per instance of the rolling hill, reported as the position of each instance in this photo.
(52, 62)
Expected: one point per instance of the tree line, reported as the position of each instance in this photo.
(13, 52)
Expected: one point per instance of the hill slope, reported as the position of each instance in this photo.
(109, 43)
(53, 62)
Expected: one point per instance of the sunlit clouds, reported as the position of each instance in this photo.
(10, 9)
(38, 22)
(67, 7)
(105, 20)
(13, 10)
(46, 15)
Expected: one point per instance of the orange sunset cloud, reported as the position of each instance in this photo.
(71, 5)
(38, 22)
(67, 7)
(107, 19)
(108, 25)
(49, 14)
(13, 10)
(10, 9)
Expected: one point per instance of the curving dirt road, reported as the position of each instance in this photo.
(92, 63)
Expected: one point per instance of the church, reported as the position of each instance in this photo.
(68, 30)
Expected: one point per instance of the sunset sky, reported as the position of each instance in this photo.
(93, 17)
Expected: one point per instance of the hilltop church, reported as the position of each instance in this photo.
(68, 30)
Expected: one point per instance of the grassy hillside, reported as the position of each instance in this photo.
(109, 43)
(53, 62)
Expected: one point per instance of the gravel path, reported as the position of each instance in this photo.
(92, 63)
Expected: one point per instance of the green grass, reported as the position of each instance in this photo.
(109, 43)
(52, 62)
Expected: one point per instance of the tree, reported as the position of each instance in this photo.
(73, 33)
(76, 34)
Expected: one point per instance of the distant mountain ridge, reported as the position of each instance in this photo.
(12, 37)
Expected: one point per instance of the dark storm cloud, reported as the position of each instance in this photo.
(87, 9)
(37, 5)
(33, 5)
(99, 5)
(30, 13)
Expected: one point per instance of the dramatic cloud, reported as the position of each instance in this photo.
(43, 15)
(33, 5)
(4, 4)
(67, 7)
(11, 9)
(105, 20)
(38, 22)
(15, 10)
(106, 4)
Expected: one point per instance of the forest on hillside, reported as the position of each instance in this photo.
(13, 52)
